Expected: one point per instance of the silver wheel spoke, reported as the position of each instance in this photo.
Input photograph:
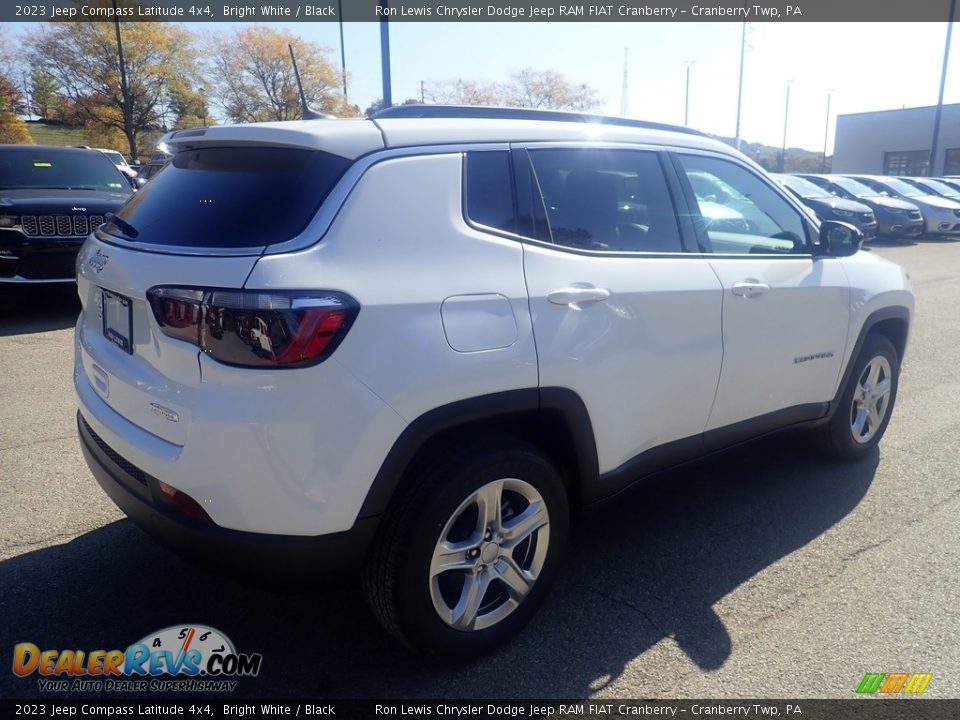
(475, 586)
(452, 556)
(874, 375)
(518, 581)
(882, 389)
(873, 418)
(524, 525)
(860, 421)
(489, 498)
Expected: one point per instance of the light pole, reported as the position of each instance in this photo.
(686, 102)
(343, 51)
(743, 48)
(385, 54)
(786, 115)
(931, 166)
(826, 132)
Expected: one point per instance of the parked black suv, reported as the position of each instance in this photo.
(51, 198)
(828, 206)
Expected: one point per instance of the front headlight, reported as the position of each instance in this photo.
(8, 221)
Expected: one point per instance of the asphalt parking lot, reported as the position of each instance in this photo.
(768, 572)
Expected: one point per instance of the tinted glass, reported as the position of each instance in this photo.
(489, 192)
(853, 187)
(41, 168)
(803, 188)
(740, 212)
(231, 197)
(611, 200)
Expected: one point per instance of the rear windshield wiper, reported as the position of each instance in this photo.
(128, 230)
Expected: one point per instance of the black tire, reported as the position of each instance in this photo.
(838, 435)
(397, 577)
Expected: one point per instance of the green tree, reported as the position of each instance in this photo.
(83, 60)
(253, 78)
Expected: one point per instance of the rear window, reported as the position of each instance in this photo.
(60, 169)
(230, 197)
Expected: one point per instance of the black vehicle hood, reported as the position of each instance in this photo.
(893, 203)
(835, 203)
(53, 202)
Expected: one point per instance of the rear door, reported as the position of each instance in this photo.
(622, 314)
(202, 223)
(785, 310)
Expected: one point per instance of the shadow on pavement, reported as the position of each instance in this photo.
(38, 309)
(652, 568)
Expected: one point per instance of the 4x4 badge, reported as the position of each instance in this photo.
(98, 261)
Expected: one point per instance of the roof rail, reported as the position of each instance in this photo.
(486, 112)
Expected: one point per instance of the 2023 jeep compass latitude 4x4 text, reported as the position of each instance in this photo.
(453, 327)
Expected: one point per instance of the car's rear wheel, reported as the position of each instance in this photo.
(464, 563)
(866, 404)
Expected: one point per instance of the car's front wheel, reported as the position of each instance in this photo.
(464, 562)
(866, 403)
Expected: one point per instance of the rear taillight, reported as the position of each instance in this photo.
(252, 328)
(183, 503)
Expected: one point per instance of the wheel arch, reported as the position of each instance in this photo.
(554, 420)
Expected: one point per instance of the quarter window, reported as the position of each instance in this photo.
(607, 200)
(739, 212)
(489, 193)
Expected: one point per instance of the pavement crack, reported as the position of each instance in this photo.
(629, 605)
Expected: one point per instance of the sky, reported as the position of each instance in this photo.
(868, 66)
(863, 66)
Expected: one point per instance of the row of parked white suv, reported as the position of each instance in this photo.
(412, 346)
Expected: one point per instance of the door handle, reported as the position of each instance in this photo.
(576, 296)
(749, 288)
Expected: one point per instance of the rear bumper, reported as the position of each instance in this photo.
(243, 555)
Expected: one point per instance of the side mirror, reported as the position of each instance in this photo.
(839, 239)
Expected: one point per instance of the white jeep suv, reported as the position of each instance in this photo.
(413, 345)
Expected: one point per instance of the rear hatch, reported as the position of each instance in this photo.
(199, 226)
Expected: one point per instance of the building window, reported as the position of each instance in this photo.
(951, 162)
(906, 162)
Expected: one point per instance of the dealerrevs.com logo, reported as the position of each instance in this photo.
(180, 658)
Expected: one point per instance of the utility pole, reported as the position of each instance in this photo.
(385, 53)
(786, 114)
(343, 51)
(124, 89)
(932, 165)
(743, 48)
(422, 100)
(826, 132)
(686, 103)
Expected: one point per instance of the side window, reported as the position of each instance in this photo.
(489, 193)
(739, 212)
(611, 200)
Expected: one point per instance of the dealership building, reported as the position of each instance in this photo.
(897, 142)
